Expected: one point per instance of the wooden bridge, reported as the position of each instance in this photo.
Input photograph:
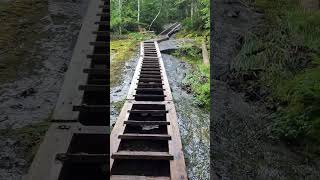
(145, 142)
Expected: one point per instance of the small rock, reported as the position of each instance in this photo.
(233, 14)
(16, 106)
(4, 118)
(20, 163)
(28, 92)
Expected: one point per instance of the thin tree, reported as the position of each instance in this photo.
(119, 11)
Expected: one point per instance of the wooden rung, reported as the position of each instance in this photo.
(83, 157)
(149, 96)
(149, 84)
(100, 44)
(148, 57)
(142, 155)
(155, 57)
(103, 14)
(96, 71)
(139, 123)
(151, 69)
(150, 79)
(102, 23)
(98, 56)
(150, 89)
(90, 87)
(92, 108)
(104, 6)
(150, 75)
(129, 177)
(101, 33)
(150, 63)
(148, 111)
(150, 72)
(145, 136)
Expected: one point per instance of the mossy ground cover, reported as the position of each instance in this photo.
(284, 58)
(28, 139)
(19, 31)
(123, 50)
(199, 77)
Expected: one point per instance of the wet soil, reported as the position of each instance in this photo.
(241, 147)
(27, 102)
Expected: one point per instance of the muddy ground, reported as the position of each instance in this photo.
(241, 147)
(27, 102)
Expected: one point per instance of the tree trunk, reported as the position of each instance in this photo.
(205, 53)
(138, 11)
(120, 9)
(191, 10)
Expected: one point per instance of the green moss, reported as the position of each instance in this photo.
(199, 77)
(18, 34)
(118, 105)
(286, 55)
(29, 137)
(121, 51)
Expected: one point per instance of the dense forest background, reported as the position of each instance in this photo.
(130, 15)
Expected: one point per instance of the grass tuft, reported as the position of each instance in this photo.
(287, 54)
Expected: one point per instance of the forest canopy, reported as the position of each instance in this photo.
(131, 15)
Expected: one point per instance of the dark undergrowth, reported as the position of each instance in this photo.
(280, 67)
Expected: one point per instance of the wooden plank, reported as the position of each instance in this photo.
(70, 95)
(127, 177)
(135, 80)
(148, 111)
(91, 87)
(138, 123)
(145, 136)
(177, 166)
(57, 140)
(165, 81)
(82, 157)
(118, 129)
(142, 155)
(92, 108)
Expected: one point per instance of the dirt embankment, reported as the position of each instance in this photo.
(35, 55)
(240, 143)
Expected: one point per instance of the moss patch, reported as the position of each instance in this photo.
(118, 105)
(121, 51)
(280, 64)
(18, 35)
(198, 80)
(29, 138)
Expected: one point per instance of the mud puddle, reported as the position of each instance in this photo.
(193, 121)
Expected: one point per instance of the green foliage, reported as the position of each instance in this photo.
(124, 14)
(301, 117)
(287, 56)
(199, 78)
(121, 51)
(29, 138)
(19, 30)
